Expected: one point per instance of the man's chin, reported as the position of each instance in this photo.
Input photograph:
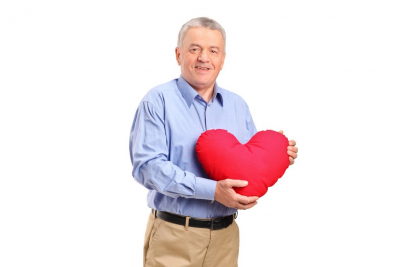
(203, 80)
(200, 82)
(203, 84)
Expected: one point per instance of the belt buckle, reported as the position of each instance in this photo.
(217, 220)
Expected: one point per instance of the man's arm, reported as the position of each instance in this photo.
(149, 156)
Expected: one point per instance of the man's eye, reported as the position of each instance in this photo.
(195, 49)
(213, 51)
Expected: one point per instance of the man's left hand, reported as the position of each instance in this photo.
(292, 150)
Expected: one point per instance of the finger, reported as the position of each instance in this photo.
(237, 183)
(241, 206)
(292, 143)
(292, 154)
(246, 200)
(291, 160)
(281, 131)
(293, 148)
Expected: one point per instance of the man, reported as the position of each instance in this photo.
(193, 217)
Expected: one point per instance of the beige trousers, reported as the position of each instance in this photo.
(171, 245)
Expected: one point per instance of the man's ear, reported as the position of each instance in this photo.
(178, 56)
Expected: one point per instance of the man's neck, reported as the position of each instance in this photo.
(206, 93)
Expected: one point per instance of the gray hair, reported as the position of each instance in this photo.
(201, 22)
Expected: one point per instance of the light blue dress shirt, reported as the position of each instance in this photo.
(167, 124)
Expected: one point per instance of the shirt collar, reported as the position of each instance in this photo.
(189, 93)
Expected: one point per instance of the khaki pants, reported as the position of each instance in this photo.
(171, 245)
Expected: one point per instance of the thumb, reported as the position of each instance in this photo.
(281, 131)
(238, 183)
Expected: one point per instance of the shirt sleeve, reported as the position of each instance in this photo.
(149, 156)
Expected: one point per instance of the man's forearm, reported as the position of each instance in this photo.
(166, 178)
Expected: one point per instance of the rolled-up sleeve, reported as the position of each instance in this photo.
(149, 156)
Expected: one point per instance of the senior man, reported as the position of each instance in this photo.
(192, 221)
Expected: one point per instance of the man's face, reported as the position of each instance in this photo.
(201, 57)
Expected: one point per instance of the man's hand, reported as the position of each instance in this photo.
(225, 195)
(292, 150)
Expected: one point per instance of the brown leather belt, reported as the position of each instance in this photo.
(213, 224)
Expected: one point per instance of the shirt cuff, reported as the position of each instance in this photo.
(205, 188)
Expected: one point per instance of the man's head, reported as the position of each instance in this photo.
(201, 52)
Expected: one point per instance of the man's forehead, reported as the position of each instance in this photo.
(199, 35)
(200, 45)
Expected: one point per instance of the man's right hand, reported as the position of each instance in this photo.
(225, 195)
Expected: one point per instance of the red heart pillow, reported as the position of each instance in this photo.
(261, 162)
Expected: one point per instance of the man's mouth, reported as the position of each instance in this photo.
(202, 68)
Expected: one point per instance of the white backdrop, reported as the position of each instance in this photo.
(73, 72)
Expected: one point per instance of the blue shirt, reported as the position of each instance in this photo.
(167, 124)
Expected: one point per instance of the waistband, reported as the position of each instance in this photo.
(212, 224)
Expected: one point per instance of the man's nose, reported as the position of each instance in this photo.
(203, 57)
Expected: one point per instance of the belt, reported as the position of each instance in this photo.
(213, 224)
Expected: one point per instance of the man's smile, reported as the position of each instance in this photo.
(202, 68)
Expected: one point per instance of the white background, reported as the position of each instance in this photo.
(73, 72)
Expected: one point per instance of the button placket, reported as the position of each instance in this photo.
(205, 116)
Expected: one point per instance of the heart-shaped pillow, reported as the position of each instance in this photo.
(261, 162)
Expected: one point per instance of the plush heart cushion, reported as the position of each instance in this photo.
(261, 162)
